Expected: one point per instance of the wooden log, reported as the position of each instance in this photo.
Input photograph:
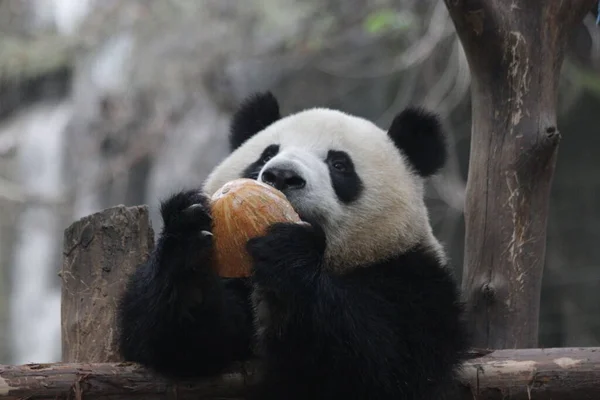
(531, 374)
(534, 374)
(100, 251)
(114, 381)
(515, 52)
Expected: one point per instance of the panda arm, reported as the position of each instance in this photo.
(366, 330)
(176, 315)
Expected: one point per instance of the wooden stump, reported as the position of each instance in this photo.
(100, 251)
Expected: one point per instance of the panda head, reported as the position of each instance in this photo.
(363, 185)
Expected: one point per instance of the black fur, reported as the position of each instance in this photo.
(419, 135)
(177, 316)
(253, 170)
(254, 114)
(386, 331)
(347, 185)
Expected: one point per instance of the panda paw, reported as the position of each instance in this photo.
(289, 254)
(187, 212)
(186, 238)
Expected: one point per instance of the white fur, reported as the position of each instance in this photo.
(390, 215)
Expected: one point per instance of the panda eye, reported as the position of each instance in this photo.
(340, 166)
(269, 153)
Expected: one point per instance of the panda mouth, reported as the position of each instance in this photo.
(308, 218)
(299, 211)
(297, 207)
(301, 215)
(302, 218)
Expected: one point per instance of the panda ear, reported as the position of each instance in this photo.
(419, 135)
(254, 114)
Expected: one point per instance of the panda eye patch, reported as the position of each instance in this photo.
(252, 171)
(340, 161)
(270, 152)
(346, 182)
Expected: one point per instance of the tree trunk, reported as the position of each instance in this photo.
(100, 252)
(515, 52)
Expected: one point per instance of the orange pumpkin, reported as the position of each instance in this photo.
(243, 209)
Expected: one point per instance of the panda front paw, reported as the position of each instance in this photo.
(186, 211)
(287, 256)
(187, 236)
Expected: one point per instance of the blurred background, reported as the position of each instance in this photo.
(106, 102)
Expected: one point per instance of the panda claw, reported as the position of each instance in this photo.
(193, 206)
(206, 233)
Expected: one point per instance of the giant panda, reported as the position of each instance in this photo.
(356, 303)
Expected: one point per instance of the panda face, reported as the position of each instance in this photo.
(319, 182)
(343, 172)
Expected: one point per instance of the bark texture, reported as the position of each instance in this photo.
(100, 251)
(515, 52)
(532, 374)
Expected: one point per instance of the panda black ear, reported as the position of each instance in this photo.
(419, 135)
(254, 114)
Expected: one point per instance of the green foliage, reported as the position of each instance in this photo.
(387, 20)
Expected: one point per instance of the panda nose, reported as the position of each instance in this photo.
(283, 178)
